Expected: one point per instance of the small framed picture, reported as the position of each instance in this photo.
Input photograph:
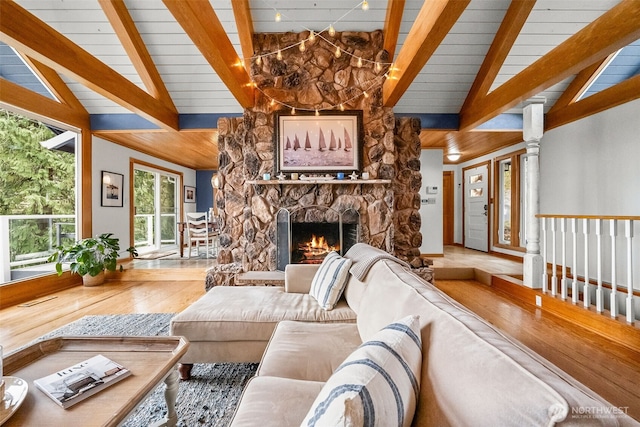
(112, 189)
(189, 194)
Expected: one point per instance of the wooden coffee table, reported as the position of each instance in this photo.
(150, 359)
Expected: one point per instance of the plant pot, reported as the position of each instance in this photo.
(88, 280)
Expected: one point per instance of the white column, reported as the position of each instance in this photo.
(586, 294)
(563, 282)
(613, 297)
(628, 232)
(545, 275)
(574, 264)
(599, 294)
(532, 130)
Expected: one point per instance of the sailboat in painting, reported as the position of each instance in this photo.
(321, 144)
(347, 140)
(288, 144)
(332, 142)
(296, 143)
(307, 143)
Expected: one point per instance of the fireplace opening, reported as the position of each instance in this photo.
(309, 242)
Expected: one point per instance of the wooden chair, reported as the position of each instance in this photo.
(201, 230)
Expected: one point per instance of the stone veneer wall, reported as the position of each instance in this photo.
(309, 80)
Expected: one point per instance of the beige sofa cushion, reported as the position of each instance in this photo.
(377, 384)
(308, 351)
(275, 402)
(248, 313)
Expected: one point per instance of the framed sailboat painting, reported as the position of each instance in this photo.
(325, 143)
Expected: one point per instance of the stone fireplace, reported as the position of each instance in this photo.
(307, 235)
(382, 212)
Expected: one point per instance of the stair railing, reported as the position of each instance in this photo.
(584, 230)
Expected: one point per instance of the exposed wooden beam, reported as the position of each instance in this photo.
(392, 22)
(613, 30)
(621, 93)
(126, 30)
(244, 23)
(29, 35)
(432, 24)
(506, 35)
(581, 82)
(23, 99)
(201, 23)
(54, 82)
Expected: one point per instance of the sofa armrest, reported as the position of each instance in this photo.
(298, 277)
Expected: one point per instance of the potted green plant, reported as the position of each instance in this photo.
(90, 257)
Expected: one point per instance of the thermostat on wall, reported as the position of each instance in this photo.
(432, 190)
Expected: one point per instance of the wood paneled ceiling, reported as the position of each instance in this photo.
(473, 60)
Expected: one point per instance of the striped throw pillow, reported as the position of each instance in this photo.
(377, 385)
(330, 279)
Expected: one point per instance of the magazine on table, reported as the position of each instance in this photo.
(75, 383)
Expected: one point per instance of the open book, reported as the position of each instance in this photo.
(77, 382)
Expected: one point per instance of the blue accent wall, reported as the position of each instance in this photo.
(204, 190)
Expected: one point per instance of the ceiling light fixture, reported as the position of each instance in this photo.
(454, 156)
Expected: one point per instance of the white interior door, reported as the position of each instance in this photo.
(476, 208)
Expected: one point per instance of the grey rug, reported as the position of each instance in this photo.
(208, 399)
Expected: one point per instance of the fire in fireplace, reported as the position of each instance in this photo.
(310, 242)
(316, 249)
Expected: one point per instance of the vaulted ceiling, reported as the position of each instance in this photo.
(155, 75)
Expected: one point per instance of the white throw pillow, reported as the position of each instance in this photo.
(330, 279)
(377, 385)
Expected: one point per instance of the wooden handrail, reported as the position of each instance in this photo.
(622, 218)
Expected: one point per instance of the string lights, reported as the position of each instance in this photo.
(302, 46)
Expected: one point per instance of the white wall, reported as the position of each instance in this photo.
(592, 166)
(431, 228)
(107, 156)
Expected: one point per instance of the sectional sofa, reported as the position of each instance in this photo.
(393, 351)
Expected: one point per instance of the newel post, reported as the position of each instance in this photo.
(532, 130)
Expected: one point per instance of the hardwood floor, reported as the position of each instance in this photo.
(155, 286)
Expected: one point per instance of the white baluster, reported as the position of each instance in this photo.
(586, 294)
(613, 298)
(563, 282)
(629, 235)
(545, 275)
(599, 300)
(554, 273)
(574, 265)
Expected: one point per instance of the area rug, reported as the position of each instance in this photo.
(209, 398)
